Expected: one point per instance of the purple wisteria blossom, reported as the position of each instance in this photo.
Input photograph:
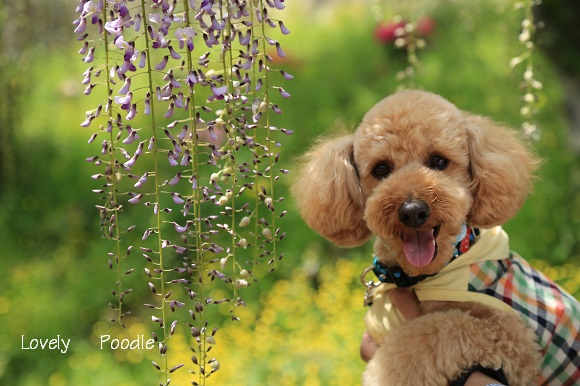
(185, 37)
(185, 139)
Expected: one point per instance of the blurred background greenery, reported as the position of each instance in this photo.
(303, 323)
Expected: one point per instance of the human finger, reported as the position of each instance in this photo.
(405, 300)
(367, 347)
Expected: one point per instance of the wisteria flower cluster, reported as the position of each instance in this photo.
(188, 155)
(408, 37)
(530, 85)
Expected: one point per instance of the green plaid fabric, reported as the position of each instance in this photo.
(550, 311)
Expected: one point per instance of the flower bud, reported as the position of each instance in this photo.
(529, 98)
(267, 233)
(524, 36)
(263, 107)
(215, 366)
(241, 283)
(400, 42)
(210, 340)
(245, 221)
(220, 123)
(514, 62)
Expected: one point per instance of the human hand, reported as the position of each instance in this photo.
(367, 347)
(405, 300)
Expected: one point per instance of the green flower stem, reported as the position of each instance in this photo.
(229, 64)
(113, 180)
(196, 194)
(269, 142)
(155, 151)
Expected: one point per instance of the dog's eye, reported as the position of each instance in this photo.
(381, 171)
(438, 162)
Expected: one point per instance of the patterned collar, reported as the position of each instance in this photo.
(464, 241)
(397, 276)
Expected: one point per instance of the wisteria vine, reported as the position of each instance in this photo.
(530, 85)
(408, 35)
(188, 154)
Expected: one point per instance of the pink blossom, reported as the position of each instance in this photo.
(386, 32)
(426, 26)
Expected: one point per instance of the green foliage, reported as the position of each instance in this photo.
(304, 321)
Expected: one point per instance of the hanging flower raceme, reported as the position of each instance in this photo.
(530, 85)
(404, 39)
(188, 154)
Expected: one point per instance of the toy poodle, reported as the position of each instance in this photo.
(434, 184)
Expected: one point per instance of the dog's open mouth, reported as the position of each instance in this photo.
(420, 247)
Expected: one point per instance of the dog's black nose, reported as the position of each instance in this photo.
(414, 213)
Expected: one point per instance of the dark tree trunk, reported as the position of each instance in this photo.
(559, 37)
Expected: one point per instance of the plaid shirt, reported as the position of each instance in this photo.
(552, 313)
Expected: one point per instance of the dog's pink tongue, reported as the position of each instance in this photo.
(419, 247)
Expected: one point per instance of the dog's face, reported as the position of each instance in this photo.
(415, 171)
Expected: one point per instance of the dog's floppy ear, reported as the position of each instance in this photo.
(329, 195)
(501, 171)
